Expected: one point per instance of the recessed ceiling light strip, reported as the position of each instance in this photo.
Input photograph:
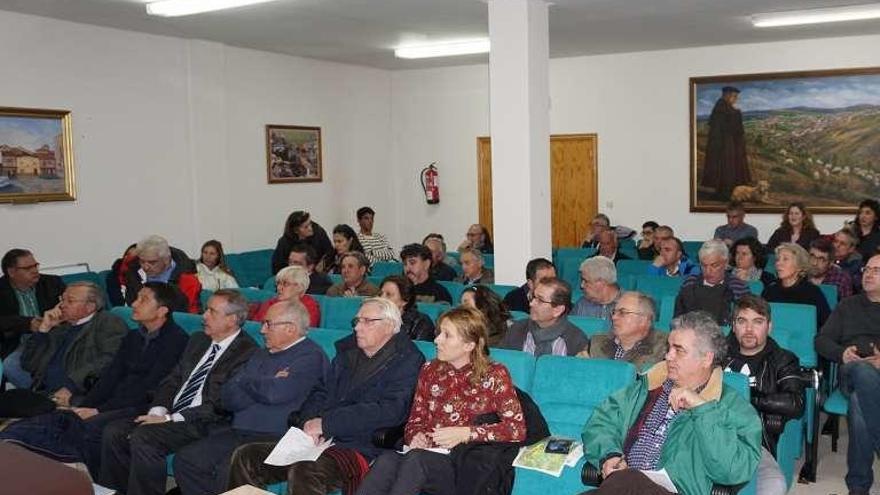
(176, 8)
(817, 16)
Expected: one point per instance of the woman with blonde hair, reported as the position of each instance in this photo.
(455, 395)
(291, 284)
(793, 285)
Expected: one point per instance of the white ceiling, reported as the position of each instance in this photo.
(364, 32)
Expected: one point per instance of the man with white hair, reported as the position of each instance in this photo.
(156, 262)
(599, 285)
(715, 289)
(370, 386)
(632, 337)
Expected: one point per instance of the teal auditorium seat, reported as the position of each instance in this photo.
(518, 315)
(433, 310)
(189, 322)
(252, 295)
(692, 249)
(336, 278)
(251, 267)
(633, 267)
(92, 277)
(590, 325)
(572, 252)
(500, 290)
(569, 270)
(455, 289)
(326, 338)
(740, 383)
(521, 366)
(124, 312)
(794, 317)
(269, 284)
(337, 312)
(382, 269)
(756, 287)
(252, 328)
(830, 293)
(658, 288)
(567, 390)
(377, 281)
(489, 261)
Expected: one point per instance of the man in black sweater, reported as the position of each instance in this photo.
(417, 267)
(774, 377)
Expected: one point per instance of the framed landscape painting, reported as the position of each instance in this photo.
(771, 139)
(293, 154)
(36, 156)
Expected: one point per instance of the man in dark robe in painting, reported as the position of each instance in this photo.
(726, 163)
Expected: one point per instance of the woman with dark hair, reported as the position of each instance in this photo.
(866, 226)
(344, 240)
(299, 228)
(797, 226)
(486, 301)
(455, 396)
(212, 270)
(748, 259)
(399, 290)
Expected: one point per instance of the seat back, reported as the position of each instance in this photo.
(658, 288)
(796, 317)
(797, 339)
(337, 312)
(518, 315)
(567, 390)
(501, 290)
(92, 277)
(756, 287)
(252, 328)
(251, 267)
(455, 289)
(590, 325)
(326, 338)
(738, 382)
(433, 310)
(633, 267)
(521, 366)
(382, 269)
(428, 349)
(570, 270)
(124, 312)
(189, 322)
(830, 293)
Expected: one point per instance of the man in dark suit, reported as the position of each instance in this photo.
(187, 406)
(609, 246)
(24, 296)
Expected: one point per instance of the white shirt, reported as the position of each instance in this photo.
(215, 278)
(197, 400)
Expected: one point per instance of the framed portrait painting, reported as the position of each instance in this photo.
(293, 154)
(36, 156)
(768, 140)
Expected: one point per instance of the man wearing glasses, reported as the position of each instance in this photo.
(24, 296)
(369, 387)
(824, 271)
(547, 330)
(275, 382)
(632, 337)
(851, 337)
(735, 228)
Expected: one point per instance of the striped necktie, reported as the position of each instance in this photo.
(195, 382)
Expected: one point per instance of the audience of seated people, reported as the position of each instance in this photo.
(632, 337)
(304, 255)
(212, 270)
(158, 262)
(851, 338)
(797, 226)
(187, 405)
(25, 294)
(440, 262)
(715, 289)
(376, 245)
(518, 299)
(645, 247)
(736, 228)
(547, 329)
(416, 260)
(678, 417)
(354, 266)
(123, 389)
(777, 390)
(793, 284)
(273, 382)
(291, 284)
(866, 227)
(477, 237)
(369, 387)
(299, 229)
(487, 302)
(824, 271)
(609, 246)
(748, 260)
(453, 392)
(415, 324)
(672, 260)
(599, 286)
(63, 358)
(473, 270)
(345, 240)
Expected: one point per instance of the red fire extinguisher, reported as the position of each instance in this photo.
(430, 184)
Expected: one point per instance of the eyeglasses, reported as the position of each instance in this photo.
(823, 259)
(535, 297)
(28, 267)
(872, 270)
(366, 321)
(625, 312)
(274, 324)
(70, 300)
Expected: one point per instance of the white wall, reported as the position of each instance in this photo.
(169, 138)
(637, 103)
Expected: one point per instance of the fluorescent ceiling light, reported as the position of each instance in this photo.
(175, 8)
(817, 16)
(443, 49)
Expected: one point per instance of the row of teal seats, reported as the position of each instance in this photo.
(556, 384)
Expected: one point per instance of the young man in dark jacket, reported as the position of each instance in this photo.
(774, 376)
(369, 386)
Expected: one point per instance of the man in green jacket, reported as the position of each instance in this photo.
(679, 419)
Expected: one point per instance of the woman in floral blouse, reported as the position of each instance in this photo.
(461, 397)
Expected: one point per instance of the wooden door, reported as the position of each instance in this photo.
(573, 185)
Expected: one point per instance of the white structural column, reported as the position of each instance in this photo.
(520, 128)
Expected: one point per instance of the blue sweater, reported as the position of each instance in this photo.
(271, 386)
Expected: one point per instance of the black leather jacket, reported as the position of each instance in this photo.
(777, 389)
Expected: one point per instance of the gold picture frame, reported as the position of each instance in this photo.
(293, 154)
(36, 155)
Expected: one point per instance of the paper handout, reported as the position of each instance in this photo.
(296, 446)
(661, 478)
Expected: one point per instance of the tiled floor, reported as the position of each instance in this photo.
(832, 468)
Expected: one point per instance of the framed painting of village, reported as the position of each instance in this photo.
(36, 156)
(293, 154)
(768, 140)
